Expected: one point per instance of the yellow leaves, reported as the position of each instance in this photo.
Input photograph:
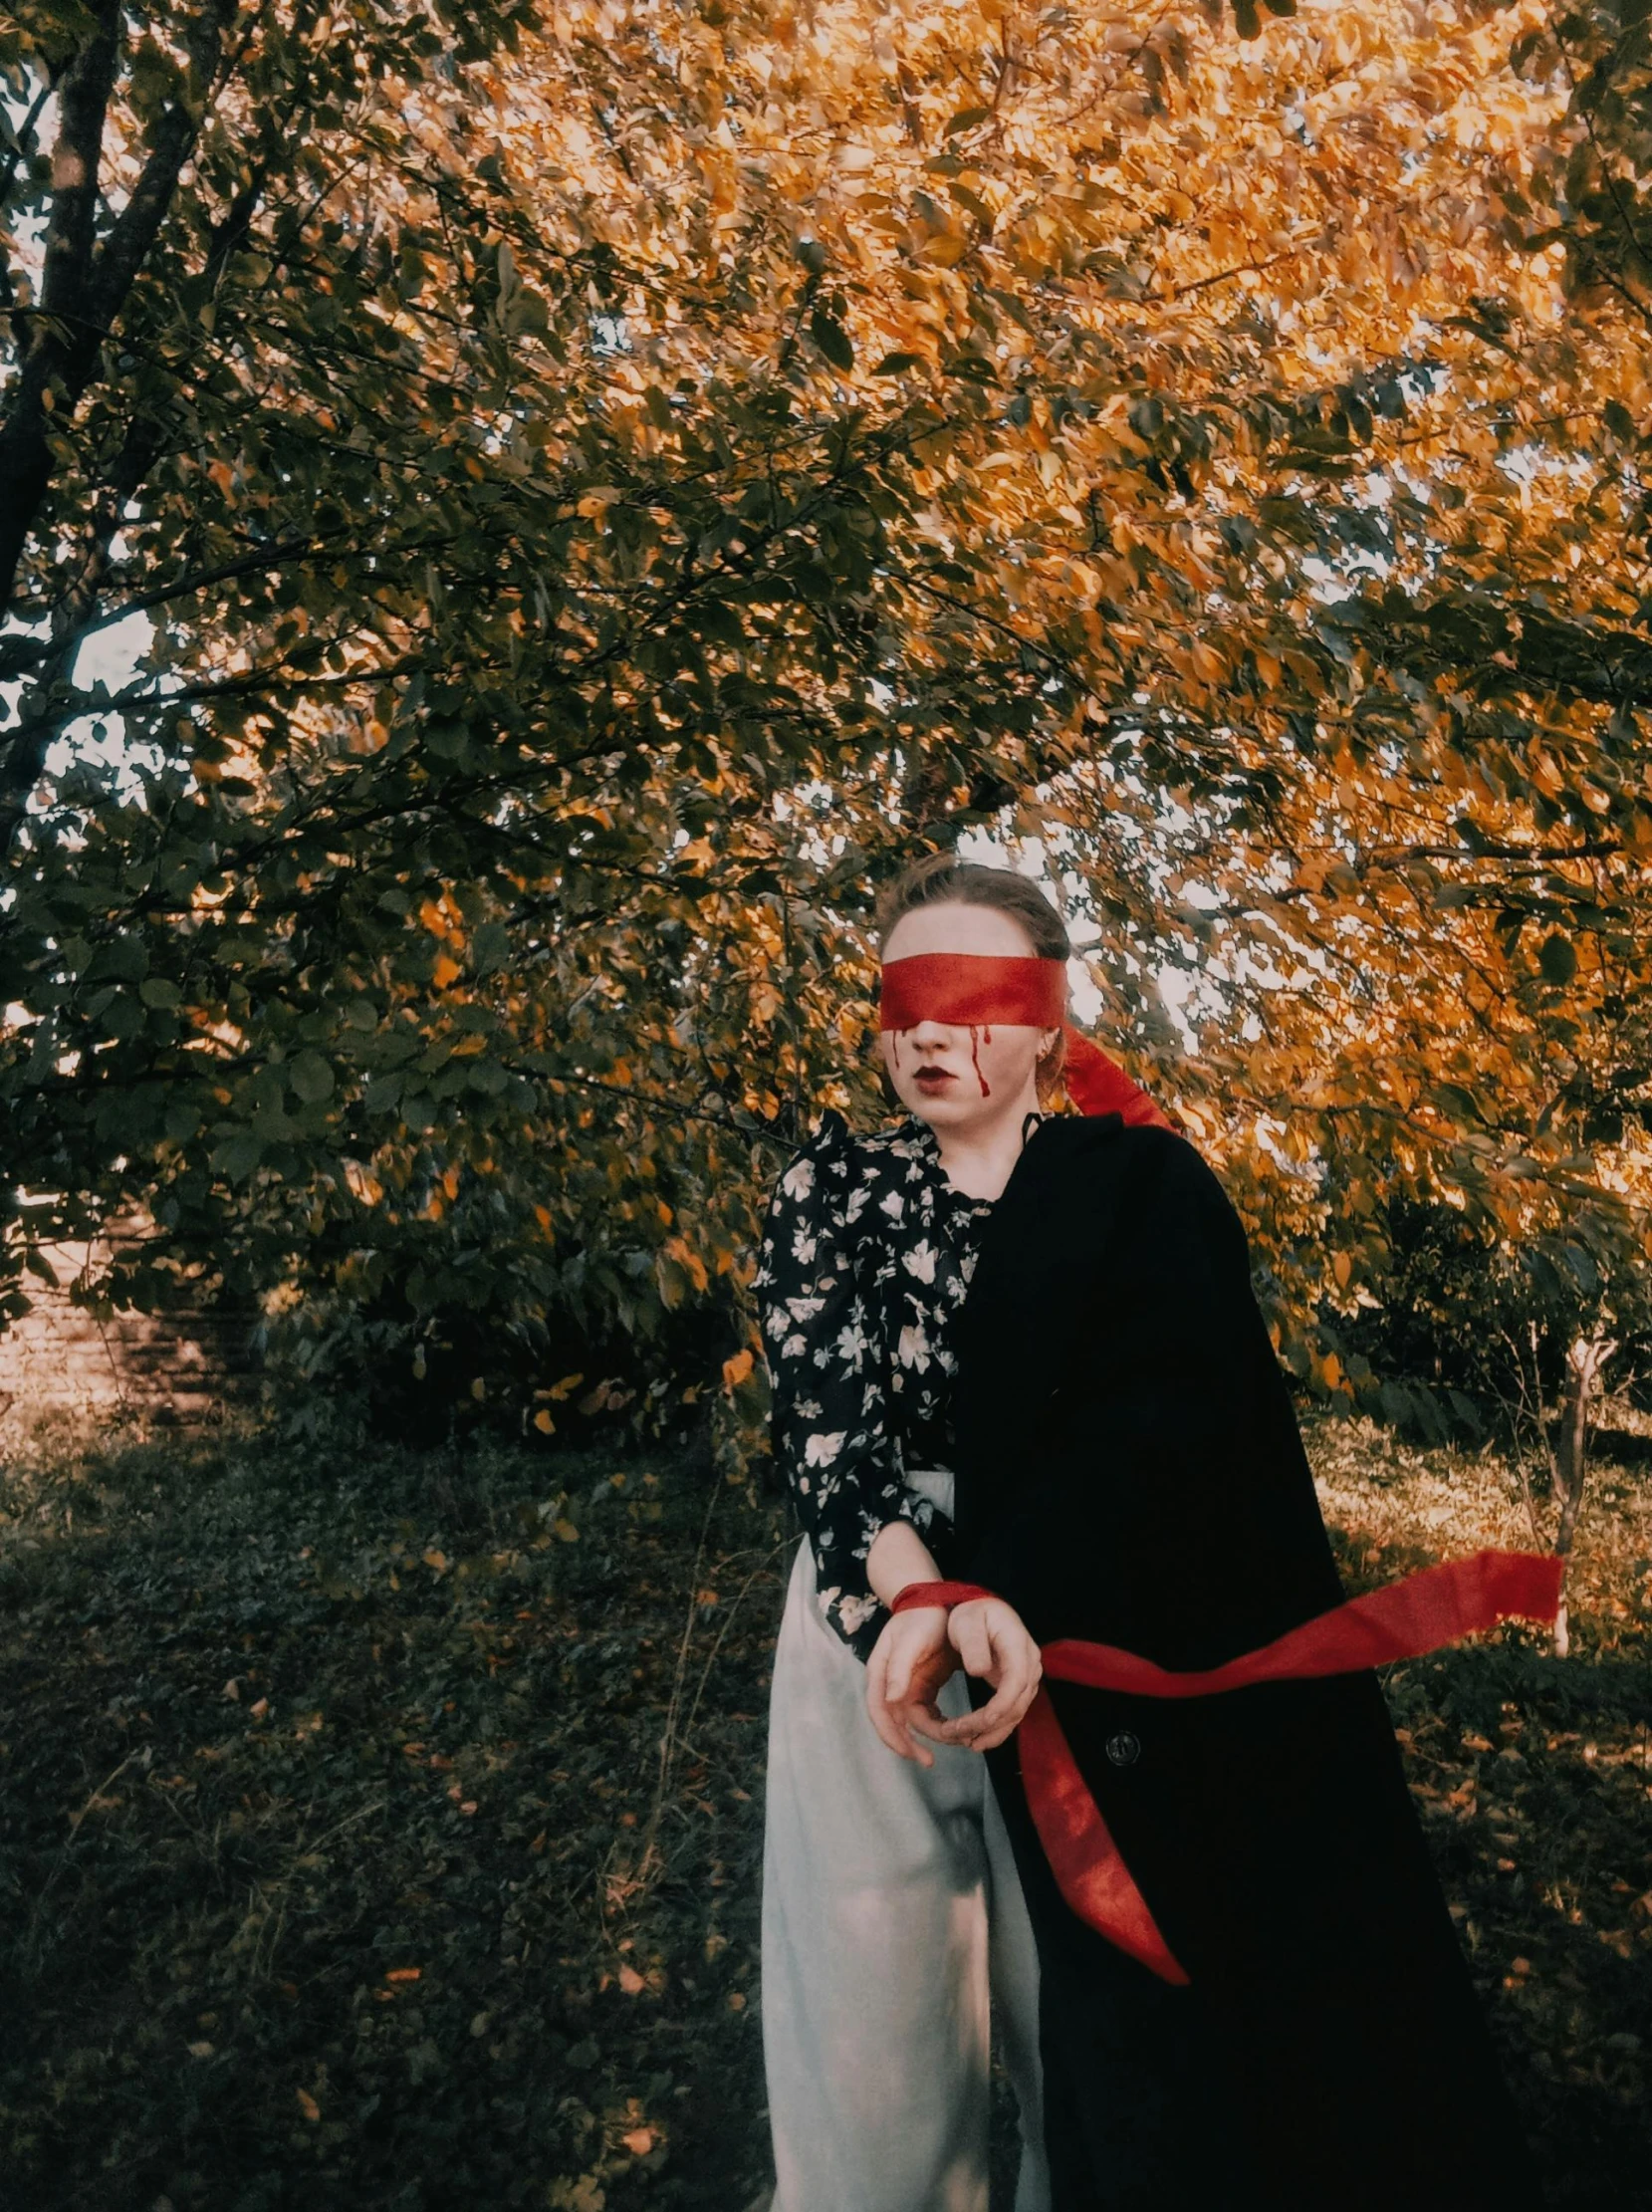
(1341, 1266)
(735, 1371)
(1306, 670)
(1544, 773)
(634, 1984)
(678, 1269)
(307, 2105)
(365, 1186)
(946, 248)
(543, 1422)
(441, 917)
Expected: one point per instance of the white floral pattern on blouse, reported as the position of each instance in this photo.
(867, 1251)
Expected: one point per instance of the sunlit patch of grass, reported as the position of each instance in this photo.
(1535, 1779)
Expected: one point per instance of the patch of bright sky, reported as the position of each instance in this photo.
(109, 657)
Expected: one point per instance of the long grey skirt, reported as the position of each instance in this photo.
(892, 1915)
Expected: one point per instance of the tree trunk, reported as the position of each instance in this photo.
(1588, 1357)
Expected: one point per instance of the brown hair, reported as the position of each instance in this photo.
(942, 880)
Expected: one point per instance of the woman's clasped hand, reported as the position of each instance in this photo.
(918, 1653)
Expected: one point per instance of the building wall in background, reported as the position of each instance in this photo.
(183, 1366)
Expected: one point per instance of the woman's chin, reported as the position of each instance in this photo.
(949, 1107)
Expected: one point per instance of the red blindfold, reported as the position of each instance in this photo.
(972, 990)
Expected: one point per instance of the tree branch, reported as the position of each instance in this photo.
(25, 453)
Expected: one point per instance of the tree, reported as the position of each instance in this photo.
(1481, 882)
(636, 476)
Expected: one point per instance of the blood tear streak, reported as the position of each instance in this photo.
(977, 1034)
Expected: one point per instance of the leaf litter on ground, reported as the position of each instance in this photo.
(383, 1828)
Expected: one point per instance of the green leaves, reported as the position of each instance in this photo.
(311, 1078)
(831, 337)
(1557, 961)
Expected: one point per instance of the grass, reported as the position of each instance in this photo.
(1533, 1776)
(382, 1829)
(346, 1861)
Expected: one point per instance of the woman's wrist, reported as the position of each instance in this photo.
(897, 1559)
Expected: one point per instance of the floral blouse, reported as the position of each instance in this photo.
(866, 1254)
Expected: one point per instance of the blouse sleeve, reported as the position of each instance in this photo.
(830, 1432)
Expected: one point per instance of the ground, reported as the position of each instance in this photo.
(381, 1827)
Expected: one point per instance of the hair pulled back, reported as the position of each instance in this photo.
(942, 880)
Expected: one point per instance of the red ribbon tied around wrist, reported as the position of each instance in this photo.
(918, 1595)
(1409, 1617)
(972, 990)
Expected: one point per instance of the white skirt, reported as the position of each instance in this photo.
(892, 1915)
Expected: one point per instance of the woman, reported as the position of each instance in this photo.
(1295, 2025)
(890, 1905)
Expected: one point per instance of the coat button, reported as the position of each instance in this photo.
(1125, 1749)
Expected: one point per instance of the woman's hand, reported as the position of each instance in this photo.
(910, 1661)
(991, 1640)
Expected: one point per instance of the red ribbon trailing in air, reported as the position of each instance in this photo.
(972, 990)
(1403, 1621)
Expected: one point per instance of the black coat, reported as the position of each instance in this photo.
(1129, 1472)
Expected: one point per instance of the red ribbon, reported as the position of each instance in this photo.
(1403, 1621)
(972, 990)
(917, 1595)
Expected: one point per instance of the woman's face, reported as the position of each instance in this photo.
(952, 1075)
